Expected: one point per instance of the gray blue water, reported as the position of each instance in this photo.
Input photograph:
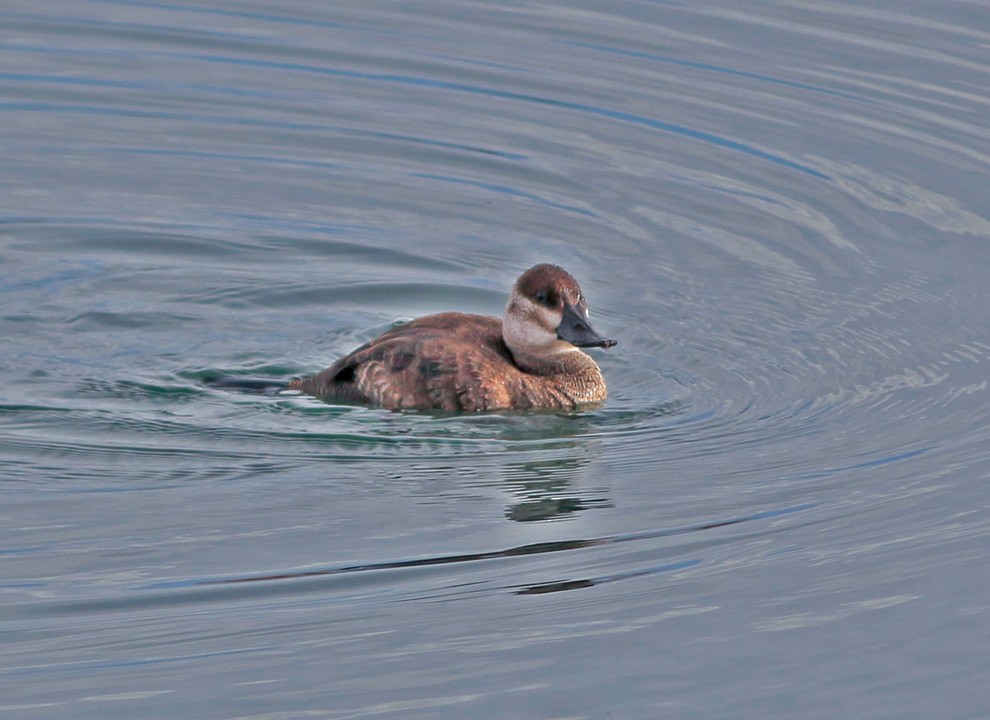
(780, 210)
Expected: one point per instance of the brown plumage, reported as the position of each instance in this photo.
(455, 361)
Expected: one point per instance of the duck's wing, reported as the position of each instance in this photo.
(446, 361)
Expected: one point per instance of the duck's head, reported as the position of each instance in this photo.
(547, 314)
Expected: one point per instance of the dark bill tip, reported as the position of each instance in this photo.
(575, 329)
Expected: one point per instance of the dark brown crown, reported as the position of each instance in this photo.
(548, 285)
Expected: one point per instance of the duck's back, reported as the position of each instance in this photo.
(451, 361)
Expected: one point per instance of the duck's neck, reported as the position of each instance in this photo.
(573, 378)
(564, 362)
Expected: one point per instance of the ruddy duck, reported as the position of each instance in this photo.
(453, 361)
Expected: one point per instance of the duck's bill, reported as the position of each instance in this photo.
(576, 329)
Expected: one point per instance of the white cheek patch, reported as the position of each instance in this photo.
(548, 319)
(528, 325)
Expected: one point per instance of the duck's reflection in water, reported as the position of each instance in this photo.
(552, 488)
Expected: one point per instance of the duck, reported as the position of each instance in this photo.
(530, 359)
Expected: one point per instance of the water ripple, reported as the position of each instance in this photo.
(778, 210)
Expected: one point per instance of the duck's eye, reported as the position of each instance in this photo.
(547, 297)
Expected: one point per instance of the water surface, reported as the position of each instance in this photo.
(780, 212)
